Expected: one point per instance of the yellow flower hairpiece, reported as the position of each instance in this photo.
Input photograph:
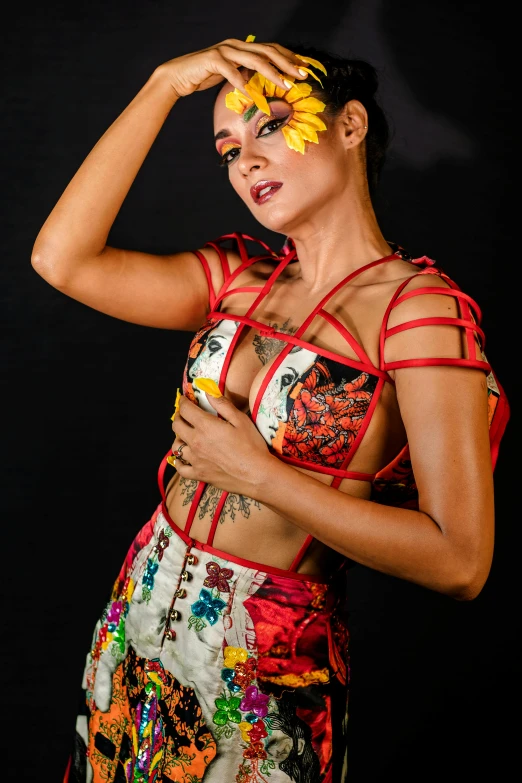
(304, 124)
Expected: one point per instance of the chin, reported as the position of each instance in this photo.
(278, 220)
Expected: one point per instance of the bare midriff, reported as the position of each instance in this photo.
(252, 531)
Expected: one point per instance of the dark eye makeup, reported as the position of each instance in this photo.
(266, 129)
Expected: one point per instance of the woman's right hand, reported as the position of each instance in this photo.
(208, 67)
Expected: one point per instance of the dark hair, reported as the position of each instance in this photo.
(351, 80)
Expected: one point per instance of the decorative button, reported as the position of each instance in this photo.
(181, 593)
(175, 615)
(192, 560)
(170, 634)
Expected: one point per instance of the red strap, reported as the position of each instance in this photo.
(197, 496)
(302, 552)
(443, 292)
(360, 435)
(206, 269)
(225, 288)
(215, 520)
(223, 258)
(350, 339)
(329, 471)
(266, 288)
(439, 361)
(437, 321)
(269, 331)
(468, 321)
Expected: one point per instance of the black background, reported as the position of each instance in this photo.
(87, 398)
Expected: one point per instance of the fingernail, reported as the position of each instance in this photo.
(176, 404)
(303, 73)
(287, 84)
(171, 460)
(207, 385)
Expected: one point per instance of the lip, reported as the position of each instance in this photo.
(264, 183)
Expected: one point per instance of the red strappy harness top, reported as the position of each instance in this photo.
(314, 405)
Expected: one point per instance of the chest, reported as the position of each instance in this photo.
(307, 387)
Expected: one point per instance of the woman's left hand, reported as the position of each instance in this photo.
(228, 453)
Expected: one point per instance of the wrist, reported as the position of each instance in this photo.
(264, 477)
(162, 80)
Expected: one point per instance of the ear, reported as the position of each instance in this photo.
(353, 122)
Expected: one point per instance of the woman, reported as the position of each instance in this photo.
(337, 407)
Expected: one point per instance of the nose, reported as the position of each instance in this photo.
(250, 160)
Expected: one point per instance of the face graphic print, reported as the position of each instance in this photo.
(313, 408)
(276, 403)
(206, 356)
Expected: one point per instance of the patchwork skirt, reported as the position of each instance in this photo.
(207, 667)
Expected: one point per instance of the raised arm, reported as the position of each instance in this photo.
(71, 251)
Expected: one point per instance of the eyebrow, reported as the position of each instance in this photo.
(222, 134)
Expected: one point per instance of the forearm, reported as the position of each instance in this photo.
(401, 542)
(78, 226)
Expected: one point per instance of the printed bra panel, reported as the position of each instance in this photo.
(312, 408)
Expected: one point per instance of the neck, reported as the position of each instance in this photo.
(333, 243)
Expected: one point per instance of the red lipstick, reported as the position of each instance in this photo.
(259, 191)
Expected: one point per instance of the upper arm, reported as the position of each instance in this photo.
(433, 346)
(174, 291)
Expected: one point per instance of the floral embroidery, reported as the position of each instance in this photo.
(228, 676)
(258, 731)
(155, 557)
(162, 544)
(245, 672)
(113, 628)
(218, 577)
(255, 751)
(208, 607)
(255, 702)
(227, 710)
(233, 655)
(245, 727)
(238, 673)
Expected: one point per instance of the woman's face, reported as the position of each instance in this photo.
(211, 357)
(273, 409)
(255, 149)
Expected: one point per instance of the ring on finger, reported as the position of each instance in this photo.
(178, 453)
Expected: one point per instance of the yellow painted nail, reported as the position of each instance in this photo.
(176, 404)
(207, 385)
(171, 460)
(250, 39)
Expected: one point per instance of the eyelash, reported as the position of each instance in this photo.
(276, 121)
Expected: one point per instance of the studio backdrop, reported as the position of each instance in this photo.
(89, 398)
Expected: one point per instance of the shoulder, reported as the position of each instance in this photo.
(422, 295)
(228, 253)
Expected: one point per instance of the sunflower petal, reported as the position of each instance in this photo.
(270, 88)
(258, 98)
(294, 139)
(297, 92)
(280, 91)
(313, 105)
(308, 133)
(237, 102)
(312, 74)
(250, 39)
(314, 63)
(257, 82)
(311, 119)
